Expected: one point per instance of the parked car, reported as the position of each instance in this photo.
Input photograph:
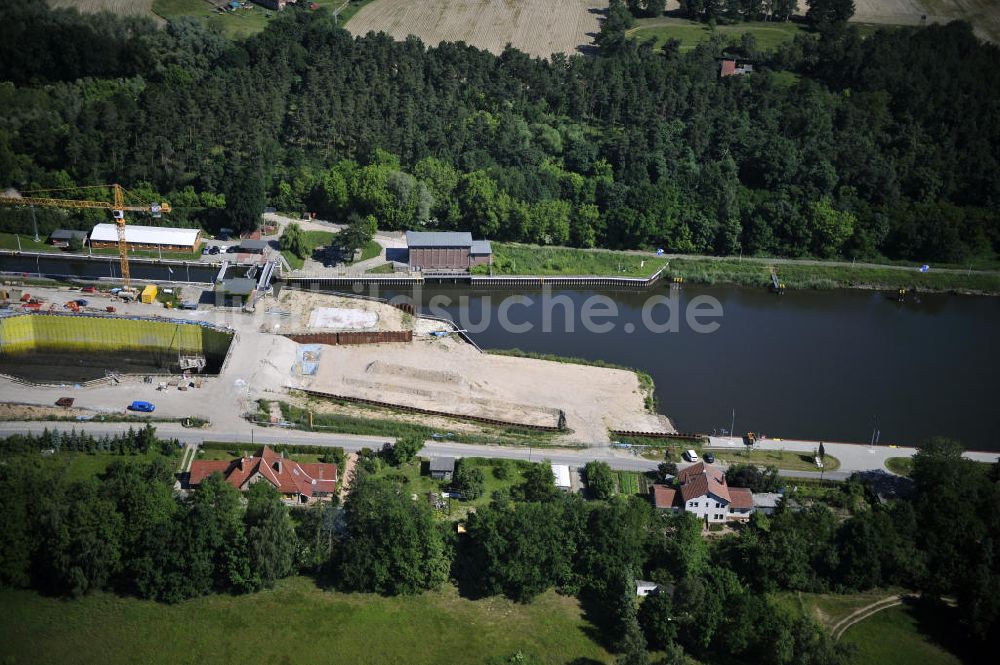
(690, 455)
(81, 302)
(188, 304)
(138, 405)
(88, 289)
(215, 249)
(710, 458)
(232, 249)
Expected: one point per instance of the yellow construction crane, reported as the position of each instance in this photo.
(117, 208)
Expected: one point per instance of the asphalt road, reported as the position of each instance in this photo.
(853, 457)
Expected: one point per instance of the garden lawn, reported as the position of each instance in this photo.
(294, 623)
(417, 480)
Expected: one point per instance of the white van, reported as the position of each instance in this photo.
(690, 455)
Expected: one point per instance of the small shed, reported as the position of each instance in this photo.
(442, 468)
(645, 588)
(228, 291)
(63, 237)
(561, 473)
(253, 246)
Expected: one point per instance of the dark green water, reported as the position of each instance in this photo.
(818, 365)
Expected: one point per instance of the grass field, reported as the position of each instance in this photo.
(384, 269)
(513, 259)
(825, 276)
(537, 27)
(27, 243)
(830, 608)
(893, 637)
(769, 35)
(782, 459)
(294, 623)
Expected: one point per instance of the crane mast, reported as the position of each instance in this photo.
(117, 208)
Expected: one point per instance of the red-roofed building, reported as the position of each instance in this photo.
(729, 67)
(703, 491)
(297, 483)
(665, 498)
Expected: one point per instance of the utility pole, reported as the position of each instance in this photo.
(34, 223)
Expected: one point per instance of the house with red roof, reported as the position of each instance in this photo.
(297, 483)
(703, 491)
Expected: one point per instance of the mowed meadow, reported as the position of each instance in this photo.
(537, 27)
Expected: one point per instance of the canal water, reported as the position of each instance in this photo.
(821, 365)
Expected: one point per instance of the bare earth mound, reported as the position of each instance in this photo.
(537, 27)
(451, 376)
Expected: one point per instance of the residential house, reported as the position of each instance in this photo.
(730, 67)
(703, 492)
(442, 468)
(297, 483)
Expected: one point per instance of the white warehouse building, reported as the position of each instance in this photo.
(147, 237)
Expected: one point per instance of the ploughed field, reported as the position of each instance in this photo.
(537, 27)
(121, 7)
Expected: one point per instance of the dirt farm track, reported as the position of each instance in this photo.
(538, 27)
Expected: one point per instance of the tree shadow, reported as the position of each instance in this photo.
(397, 254)
(941, 623)
(597, 618)
(886, 485)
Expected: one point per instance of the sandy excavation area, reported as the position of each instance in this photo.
(304, 311)
(537, 27)
(449, 375)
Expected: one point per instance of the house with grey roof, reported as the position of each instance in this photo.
(446, 250)
(442, 468)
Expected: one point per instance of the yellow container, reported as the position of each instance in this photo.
(149, 294)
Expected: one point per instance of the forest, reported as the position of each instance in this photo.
(127, 531)
(836, 146)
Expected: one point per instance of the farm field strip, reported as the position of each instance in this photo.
(537, 27)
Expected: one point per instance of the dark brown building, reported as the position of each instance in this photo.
(446, 250)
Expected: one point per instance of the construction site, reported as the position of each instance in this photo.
(316, 350)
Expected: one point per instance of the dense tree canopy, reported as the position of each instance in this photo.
(886, 145)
